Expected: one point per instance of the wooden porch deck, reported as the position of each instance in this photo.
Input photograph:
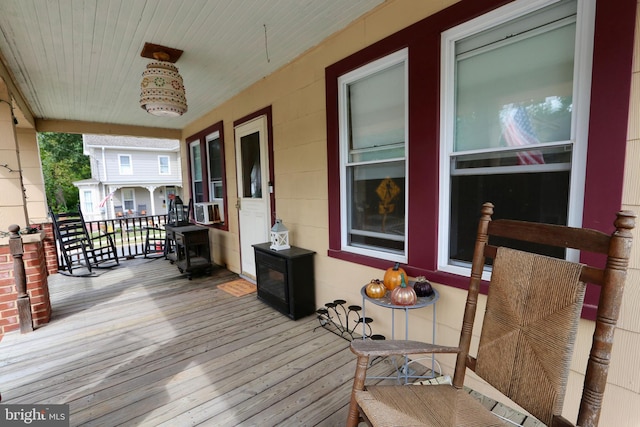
(142, 345)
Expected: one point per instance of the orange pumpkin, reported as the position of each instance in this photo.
(403, 294)
(393, 276)
(375, 289)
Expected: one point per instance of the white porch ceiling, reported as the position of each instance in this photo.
(80, 60)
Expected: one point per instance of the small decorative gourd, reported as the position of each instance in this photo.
(422, 287)
(403, 294)
(392, 277)
(375, 289)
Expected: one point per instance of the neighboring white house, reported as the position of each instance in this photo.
(129, 176)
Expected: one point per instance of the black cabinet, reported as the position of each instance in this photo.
(191, 252)
(286, 279)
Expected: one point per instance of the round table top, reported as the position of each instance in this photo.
(385, 301)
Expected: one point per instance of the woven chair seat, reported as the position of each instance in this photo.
(432, 406)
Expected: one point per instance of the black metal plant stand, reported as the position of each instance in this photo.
(335, 318)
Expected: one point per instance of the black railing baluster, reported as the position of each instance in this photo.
(129, 233)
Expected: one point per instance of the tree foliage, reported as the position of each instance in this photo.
(62, 164)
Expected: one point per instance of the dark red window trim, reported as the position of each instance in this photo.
(201, 137)
(268, 114)
(611, 82)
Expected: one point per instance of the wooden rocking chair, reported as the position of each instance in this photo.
(78, 248)
(529, 328)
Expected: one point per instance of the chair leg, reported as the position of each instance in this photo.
(358, 385)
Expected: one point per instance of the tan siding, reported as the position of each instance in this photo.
(636, 45)
(625, 359)
(32, 176)
(629, 313)
(620, 407)
(634, 109)
(631, 188)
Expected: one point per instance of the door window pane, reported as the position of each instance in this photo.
(251, 167)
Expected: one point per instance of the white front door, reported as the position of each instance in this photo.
(252, 165)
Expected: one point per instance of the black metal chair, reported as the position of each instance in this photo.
(78, 247)
(155, 241)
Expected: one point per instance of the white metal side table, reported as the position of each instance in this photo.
(403, 372)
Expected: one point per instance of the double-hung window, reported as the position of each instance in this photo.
(164, 165)
(373, 145)
(515, 95)
(88, 201)
(207, 169)
(124, 164)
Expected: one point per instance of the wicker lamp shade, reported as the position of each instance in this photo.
(162, 91)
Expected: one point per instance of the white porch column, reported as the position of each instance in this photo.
(151, 189)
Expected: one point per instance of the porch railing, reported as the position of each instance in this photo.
(129, 233)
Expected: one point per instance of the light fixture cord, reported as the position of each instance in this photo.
(266, 45)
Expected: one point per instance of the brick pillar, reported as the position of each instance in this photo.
(37, 284)
(50, 249)
(35, 265)
(8, 294)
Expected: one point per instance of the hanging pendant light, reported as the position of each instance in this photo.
(162, 90)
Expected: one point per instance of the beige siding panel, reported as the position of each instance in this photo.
(308, 70)
(399, 14)
(572, 399)
(32, 176)
(633, 130)
(306, 129)
(302, 212)
(304, 185)
(301, 158)
(11, 195)
(625, 360)
(341, 44)
(582, 346)
(634, 260)
(636, 45)
(312, 98)
(308, 236)
(620, 408)
(11, 214)
(629, 313)
(311, 185)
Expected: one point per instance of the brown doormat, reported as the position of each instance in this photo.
(238, 287)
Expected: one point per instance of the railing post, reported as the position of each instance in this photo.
(23, 302)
